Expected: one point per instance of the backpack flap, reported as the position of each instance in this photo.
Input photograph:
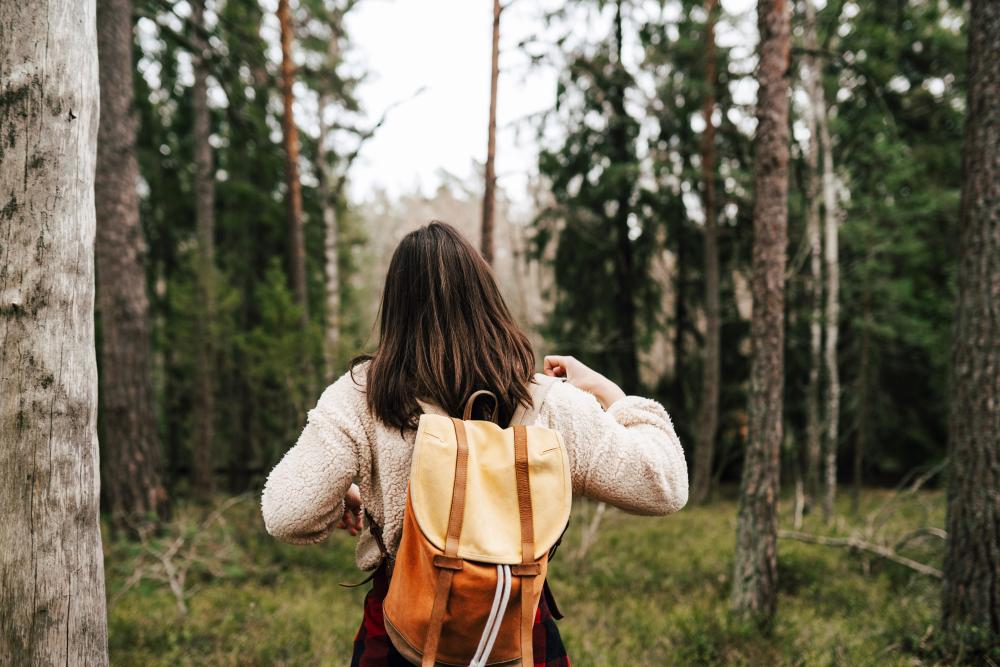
(491, 531)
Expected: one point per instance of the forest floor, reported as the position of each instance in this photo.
(650, 591)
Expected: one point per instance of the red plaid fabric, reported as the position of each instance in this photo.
(372, 647)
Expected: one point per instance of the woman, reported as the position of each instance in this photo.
(445, 332)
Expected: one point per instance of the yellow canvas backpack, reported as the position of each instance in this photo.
(485, 507)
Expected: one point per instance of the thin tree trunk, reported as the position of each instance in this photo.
(204, 192)
(708, 422)
(627, 355)
(755, 572)
(489, 191)
(971, 594)
(131, 448)
(52, 605)
(831, 261)
(813, 76)
(331, 340)
(677, 390)
(296, 234)
(864, 399)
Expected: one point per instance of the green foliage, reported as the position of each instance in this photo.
(898, 149)
(649, 592)
(267, 368)
(602, 242)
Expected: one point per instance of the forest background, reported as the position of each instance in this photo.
(244, 229)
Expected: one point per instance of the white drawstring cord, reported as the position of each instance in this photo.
(499, 617)
(489, 621)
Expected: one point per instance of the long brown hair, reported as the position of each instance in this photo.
(444, 332)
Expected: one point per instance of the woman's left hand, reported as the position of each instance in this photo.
(351, 521)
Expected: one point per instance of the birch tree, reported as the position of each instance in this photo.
(52, 605)
(831, 315)
(813, 79)
(755, 591)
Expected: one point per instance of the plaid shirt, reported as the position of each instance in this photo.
(372, 647)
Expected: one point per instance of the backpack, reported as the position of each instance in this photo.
(486, 507)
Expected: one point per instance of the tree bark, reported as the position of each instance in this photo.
(755, 573)
(489, 191)
(327, 191)
(52, 605)
(131, 448)
(204, 192)
(864, 398)
(971, 594)
(813, 76)
(296, 234)
(831, 261)
(708, 422)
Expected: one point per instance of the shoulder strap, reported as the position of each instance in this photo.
(539, 387)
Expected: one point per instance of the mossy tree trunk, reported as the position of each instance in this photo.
(52, 605)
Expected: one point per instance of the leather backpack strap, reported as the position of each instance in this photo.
(471, 401)
(448, 563)
(528, 569)
(538, 387)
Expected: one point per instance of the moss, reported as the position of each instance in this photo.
(651, 591)
(9, 209)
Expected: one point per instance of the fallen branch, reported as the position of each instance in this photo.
(857, 543)
(590, 535)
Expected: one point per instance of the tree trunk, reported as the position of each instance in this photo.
(489, 191)
(52, 605)
(813, 76)
(627, 356)
(296, 234)
(831, 261)
(678, 405)
(864, 397)
(204, 192)
(131, 449)
(327, 192)
(755, 572)
(708, 422)
(971, 595)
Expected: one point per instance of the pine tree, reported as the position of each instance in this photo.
(709, 417)
(971, 596)
(131, 445)
(755, 571)
(489, 189)
(296, 233)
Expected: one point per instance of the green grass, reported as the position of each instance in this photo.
(651, 591)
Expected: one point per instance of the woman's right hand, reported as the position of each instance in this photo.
(582, 377)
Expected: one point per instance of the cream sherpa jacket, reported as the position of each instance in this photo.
(628, 456)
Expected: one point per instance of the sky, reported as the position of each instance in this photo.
(428, 63)
(443, 47)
